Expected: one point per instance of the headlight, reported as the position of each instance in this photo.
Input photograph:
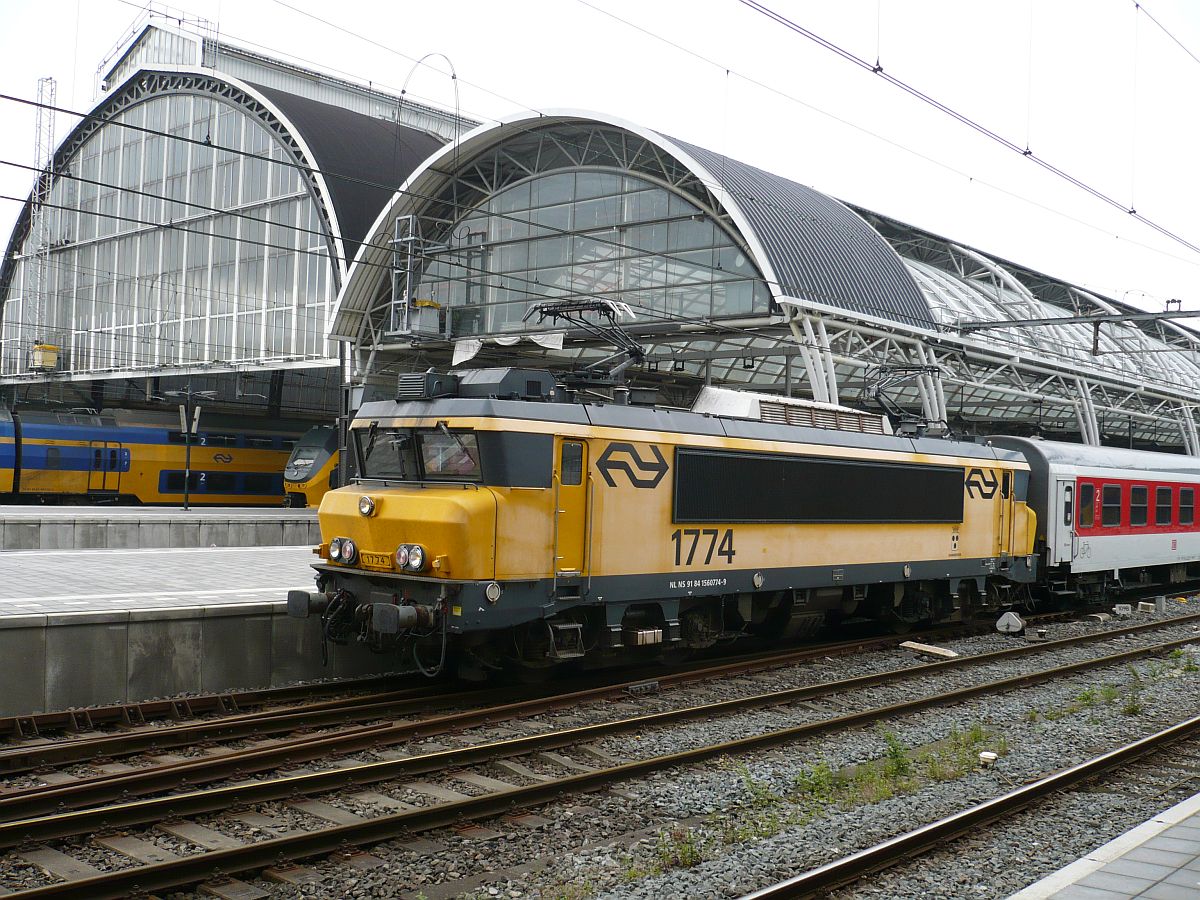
(335, 549)
(416, 558)
(402, 556)
(366, 506)
(349, 552)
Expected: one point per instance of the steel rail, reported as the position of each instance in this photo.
(188, 870)
(84, 792)
(14, 833)
(905, 846)
(137, 713)
(26, 757)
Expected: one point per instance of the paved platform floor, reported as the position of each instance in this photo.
(42, 582)
(1158, 860)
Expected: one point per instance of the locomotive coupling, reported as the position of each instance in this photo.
(388, 618)
(302, 604)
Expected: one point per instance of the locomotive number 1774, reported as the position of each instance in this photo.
(688, 541)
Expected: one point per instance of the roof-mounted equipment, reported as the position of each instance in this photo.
(478, 384)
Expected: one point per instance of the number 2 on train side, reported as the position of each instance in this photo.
(691, 537)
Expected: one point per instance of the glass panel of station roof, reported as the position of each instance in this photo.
(135, 294)
(581, 232)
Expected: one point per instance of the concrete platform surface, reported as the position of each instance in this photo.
(43, 582)
(129, 527)
(1158, 859)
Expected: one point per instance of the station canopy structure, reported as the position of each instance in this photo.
(739, 277)
(198, 223)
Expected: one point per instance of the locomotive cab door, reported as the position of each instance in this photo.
(570, 517)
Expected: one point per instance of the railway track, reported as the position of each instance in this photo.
(908, 848)
(30, 754)
(408, 807)
(167, 772)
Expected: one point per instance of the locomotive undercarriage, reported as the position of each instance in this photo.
(427, 624)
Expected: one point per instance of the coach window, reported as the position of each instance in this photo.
(1139, 500)
(1163, 501)
(1110, 513)
(572, 463)
(1187, 505)
(1068, 492)
(1087, 505)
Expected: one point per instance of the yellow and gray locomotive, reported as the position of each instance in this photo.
(498, 520)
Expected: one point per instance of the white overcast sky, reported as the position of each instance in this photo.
(1092, 86)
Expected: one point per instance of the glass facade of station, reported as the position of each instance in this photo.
(163, 251)
(580, 213)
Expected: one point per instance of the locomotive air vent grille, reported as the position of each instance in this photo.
(818, 417)
(411, 387)
(775, 413)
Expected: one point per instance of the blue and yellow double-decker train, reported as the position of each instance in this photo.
(312, 468)
(129, 456)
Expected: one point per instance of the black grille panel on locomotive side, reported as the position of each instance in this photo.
(725, 486)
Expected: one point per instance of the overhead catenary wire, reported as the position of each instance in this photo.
(1141, 7)
(973, 179)
(966, 120)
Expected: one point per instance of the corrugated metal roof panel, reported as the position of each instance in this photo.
(820, 250)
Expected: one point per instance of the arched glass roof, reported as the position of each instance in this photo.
(850, 290)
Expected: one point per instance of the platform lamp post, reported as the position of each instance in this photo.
(189, 420)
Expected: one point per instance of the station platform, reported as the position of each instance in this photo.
(129, 527)
(1158, 859)
(85, 627)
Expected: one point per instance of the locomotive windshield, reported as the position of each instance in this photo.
(405, 454)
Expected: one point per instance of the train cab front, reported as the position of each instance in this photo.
(405, 543)
(311, 470)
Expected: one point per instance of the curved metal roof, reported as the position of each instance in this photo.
(821, 251)
(364, 159)
(808, 246)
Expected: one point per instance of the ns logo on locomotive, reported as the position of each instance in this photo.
(499, 522)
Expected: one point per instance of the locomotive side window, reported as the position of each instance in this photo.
(572, 463)
(1139, 501)
(1187, 506)
(1110, 499)
(1006, 485)
(1163, 501)
(1087, 505)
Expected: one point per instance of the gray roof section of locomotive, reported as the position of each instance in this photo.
(672, 420)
